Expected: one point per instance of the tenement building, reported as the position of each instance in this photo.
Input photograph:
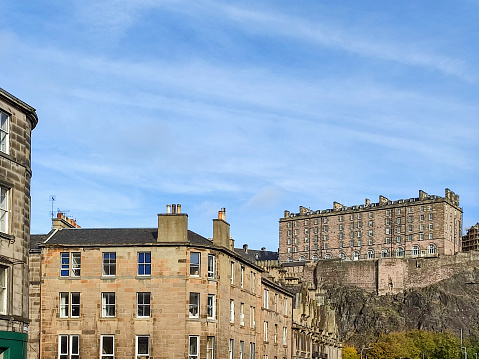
(428, 225)
(470, 241)
(163, 292)
(17, 120)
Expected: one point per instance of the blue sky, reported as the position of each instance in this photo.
(256, 106)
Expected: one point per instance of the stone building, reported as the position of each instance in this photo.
(470, 241)
(163, 292)
(425, 226)
(17, 120)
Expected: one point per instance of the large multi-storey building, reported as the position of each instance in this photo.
(17, 120)
(428, 225)
(163, 292)
(470, 241)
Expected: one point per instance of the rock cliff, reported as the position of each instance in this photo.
(451, 304)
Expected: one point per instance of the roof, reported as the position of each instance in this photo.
(36, 239)
(111, 236)
(30, 111)
(254, 255)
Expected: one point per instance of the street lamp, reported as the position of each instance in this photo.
(364, 349)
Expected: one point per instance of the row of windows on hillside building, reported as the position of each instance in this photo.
(71, 266)
(69, 347)
(352, 216)
(385, 253)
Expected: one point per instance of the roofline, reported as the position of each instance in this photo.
(276, 286)
(30, 111)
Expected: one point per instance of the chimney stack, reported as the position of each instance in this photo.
(245, 248)
(62, 221)
(172, 225)
(221, 230)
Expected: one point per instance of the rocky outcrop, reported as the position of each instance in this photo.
(451, 304)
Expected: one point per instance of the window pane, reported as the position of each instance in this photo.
(107, 345)
(144, 345)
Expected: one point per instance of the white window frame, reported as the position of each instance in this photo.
(232, 311)
(211, 306)
(211, 266)
(285, 336)
(241, 350)
(231, 349)
(73, 347)
(4, 209)
(4, 281)
(102, 343)
(252, 322)
(4, 132)
(67, 305)
(107, 304)
(276, 334)
(145, 264)
(232, 273)
(242, 314)
(252, 350)
(210, 347)
(193, 354)
(143, 301)
(265, 331)
(108, 264)
(75, 264)
(194, 305)
(137, 347)
(265, 298)
(242, 276)
(195, 264)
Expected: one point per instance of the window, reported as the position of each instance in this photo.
(415, 251)
(398, 239)
(251, 317)
(384, 253)
(370, 232)
(195, 264)
(107, 304)
(241, 353)
(265, 299)
(289, 250)
(410, 228)
(371, 215)
(231, 349)
(4, 131)
(143, 304)
(388, 230)
(388, 240)
(421, 217)
(431, 249)
(144, 263)
(289, 240)
(430, 236)
(109, 264)
(352, 225)
(211, 266)
(265, 332)
(431, 226)
(69, 346)
(370, 254)
(3, 209)
(211, 306)
(252, 351)
(306, 248)
(242, 314)
(210, 347)
(3, 289)
(341, 218)
(399, 211)
(285, 336)
(388, 221)
(327, 256)
(232, 311)
(276, 334)
(359, 224)
(371, 241)
(232, 272)
(409, 237)
(242, 277)
(253, 281)
(325, 246)
(107, 346)
(194, 305)
(351, 243)
(69, 308)
(355, 256)
(193, 347)
(431, 216)
(421, 236)
(409, 219)
(276, 302)
(342, 255)
(75, 264)
(306, 231)
(400, 252)
(142, 346)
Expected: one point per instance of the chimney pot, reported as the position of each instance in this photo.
(263, 248)
(245, 248)
(168, 208)
(178, 208)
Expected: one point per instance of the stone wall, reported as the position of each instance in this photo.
(386, 275)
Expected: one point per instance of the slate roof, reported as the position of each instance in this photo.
(36, 239)
(111, 236)
(254, 255)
